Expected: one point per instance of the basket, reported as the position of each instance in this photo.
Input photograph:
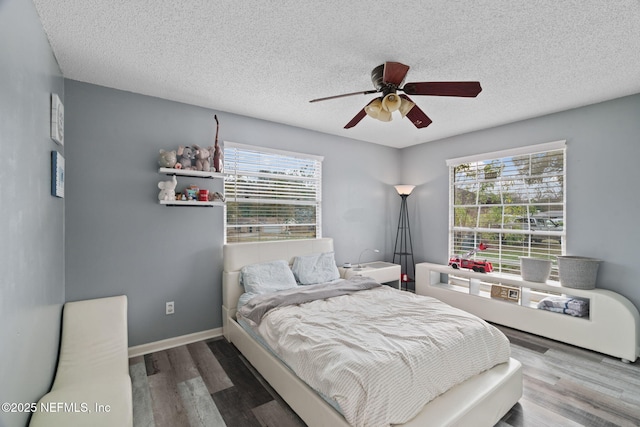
(578, 272)
(535, 269)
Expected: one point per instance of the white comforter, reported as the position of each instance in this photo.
(382, 354)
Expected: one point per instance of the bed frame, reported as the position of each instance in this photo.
(479, 401)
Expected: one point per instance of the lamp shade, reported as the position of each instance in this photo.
(405, 106)
(404, 190)
(385, 116)
(374, 108)
(391, 102)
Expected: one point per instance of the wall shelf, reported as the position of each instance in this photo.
(612, 327)
(190, 203)
(192, 173)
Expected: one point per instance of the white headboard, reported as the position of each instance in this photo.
(237, 255)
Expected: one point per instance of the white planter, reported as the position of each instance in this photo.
(535, 269)
(578, 272)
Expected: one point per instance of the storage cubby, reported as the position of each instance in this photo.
(612, 326)
(528, 295)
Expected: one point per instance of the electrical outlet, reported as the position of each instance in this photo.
(170, 309)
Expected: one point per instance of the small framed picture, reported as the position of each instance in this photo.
(505, 293)
(57, 174)
(57, 119)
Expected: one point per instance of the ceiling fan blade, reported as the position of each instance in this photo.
(394, 73)
(464, 89)
(356, 119)
(416, 115)
(366, 92)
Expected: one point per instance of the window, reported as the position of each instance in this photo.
(512, 201)
(271, 194)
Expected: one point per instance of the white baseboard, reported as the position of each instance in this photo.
(139, 350)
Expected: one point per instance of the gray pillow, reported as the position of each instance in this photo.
(316, 268)
(267, 277)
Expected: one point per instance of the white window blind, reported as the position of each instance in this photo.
(512, 201)
(271, 194)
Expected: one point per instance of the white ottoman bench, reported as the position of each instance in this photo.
(92, 386)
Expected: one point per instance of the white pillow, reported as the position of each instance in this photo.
(316, 268)
(267, 277)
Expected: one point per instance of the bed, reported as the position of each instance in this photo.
(479, 401)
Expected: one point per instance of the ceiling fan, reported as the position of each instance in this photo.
(387, 80)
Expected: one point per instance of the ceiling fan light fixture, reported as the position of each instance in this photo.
(374, 108)
(384, 116)
(405, 106)
(391, 102)
(389, 78)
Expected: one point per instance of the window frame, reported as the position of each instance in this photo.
(277, 196)
(529, 239)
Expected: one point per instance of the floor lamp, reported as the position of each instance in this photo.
(403, 250)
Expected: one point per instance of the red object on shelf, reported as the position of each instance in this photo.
(203, 196)
(480, 266)
(465, 261)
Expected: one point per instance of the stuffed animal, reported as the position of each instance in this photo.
(186, 155)
(202, 159)
(167, 159)
(212, 166)
(167, 189)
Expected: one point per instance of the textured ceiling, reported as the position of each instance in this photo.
(267, 59)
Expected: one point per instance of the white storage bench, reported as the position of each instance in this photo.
(92, 386)
(612, 326)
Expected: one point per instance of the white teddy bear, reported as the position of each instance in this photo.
(167, 189)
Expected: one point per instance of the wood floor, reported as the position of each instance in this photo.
(211, 384)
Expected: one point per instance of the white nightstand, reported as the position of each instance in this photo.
(383, 272)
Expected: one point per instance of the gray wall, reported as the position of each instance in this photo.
(119, 240)
(602, 176)
(32, 242)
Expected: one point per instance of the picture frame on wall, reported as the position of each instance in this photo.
(57, 119)
(57, 174)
